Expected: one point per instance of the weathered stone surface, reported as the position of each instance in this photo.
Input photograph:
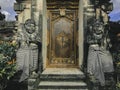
(62, 71)
(62, 79)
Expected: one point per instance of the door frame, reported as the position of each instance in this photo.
(80, 34)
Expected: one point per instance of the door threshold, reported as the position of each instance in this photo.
(62, 71)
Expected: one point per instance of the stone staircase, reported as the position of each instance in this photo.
(62, 79)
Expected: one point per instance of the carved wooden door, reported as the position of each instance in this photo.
(62, 32)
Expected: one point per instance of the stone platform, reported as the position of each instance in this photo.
(62, 79)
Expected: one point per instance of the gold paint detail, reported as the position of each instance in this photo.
(62, 61)
(62, 11)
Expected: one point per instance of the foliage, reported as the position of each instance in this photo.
(116, 56)
(117, 67)
(7, 62)
(118, 86)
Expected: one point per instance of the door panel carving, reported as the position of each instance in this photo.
(62, 38)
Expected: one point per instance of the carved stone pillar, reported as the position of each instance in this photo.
(44, 36)
(23, 10)
(39, 16)
(80, 31)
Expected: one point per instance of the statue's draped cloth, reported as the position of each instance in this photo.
(25, 61)
(99, 62)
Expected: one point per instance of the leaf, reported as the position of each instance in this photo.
(8, 77)
(1, 75)
(3, 70)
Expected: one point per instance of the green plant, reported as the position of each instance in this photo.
(7, 62)
(117, 67)
(116, 56)
(118, 86)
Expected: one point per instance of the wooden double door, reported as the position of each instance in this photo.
(62, 47)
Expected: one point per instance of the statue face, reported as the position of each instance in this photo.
(30, 28)
(98, 29)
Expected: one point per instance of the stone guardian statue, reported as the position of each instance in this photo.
(99, 58)
(27, 54)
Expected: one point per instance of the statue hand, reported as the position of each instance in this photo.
(33, 42)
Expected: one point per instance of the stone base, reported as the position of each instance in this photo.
(62, 79)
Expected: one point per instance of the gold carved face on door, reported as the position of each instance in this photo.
(63, 45)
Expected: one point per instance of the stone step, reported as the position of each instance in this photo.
(46, 77)
(63, 71)
(62, 79)
(62, 85)
(63, 74)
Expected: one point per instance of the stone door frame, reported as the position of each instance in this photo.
(80, 34)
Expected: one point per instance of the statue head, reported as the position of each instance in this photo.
(30, 26)
(98, 27)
